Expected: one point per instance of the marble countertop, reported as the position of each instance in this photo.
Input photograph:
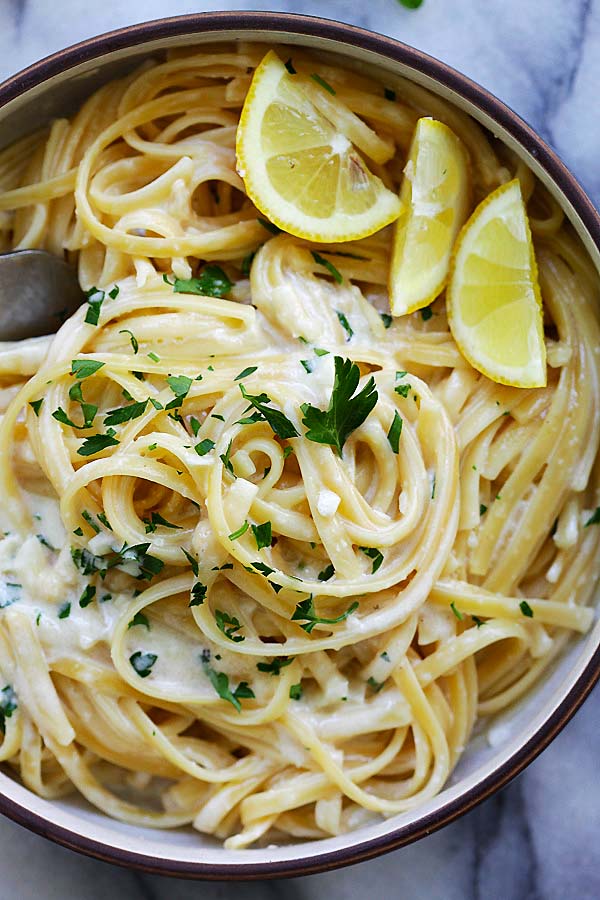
(537, 839)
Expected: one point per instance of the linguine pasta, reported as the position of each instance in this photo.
(208, 617)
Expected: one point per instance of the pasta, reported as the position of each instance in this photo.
(206, 617)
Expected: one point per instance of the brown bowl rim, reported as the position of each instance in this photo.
(482, 99)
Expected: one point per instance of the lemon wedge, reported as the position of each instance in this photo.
(435, 201)
(493, 299)
(299, 170)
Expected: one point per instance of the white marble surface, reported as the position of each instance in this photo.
(538, 839)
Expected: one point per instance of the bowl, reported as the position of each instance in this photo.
(53, 87)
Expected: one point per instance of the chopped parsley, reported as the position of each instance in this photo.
(389, 94)
(90, 520)
(526, 609)
(143, 662)
(245, 372)
(479, 622)
(374, 684)
(482, 509)
(426, 313)
(195, 425)
(8, 704)
(204, 447)
(456, 611)
(374, 554)
(240, 531)
(229, 625)
(327, 573)
(345, 324)
(35, 405)
(88, 595)
(83, 368)
(193, 562)
(180, 385)
(262, 535)
(594, 519)
(132, 338)
(395, 431)
(220, 682)
(345, 412)
(386, 319)
(126, 413)
(64, 611)
(102, 518)
(323, 83)
(321, 261)
(226, 459)
(156, 519)
(295, 691)
(290, 66)
(305, 610)
(153, 357)
(210, 282)
(95, 299)
(98, 442)
(139, 619)
(198, 594)
(247, 263)
(280, 424)
(276, 665)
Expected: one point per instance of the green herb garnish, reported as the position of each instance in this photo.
(126, 413)
(204, 447)
(269, 226)
(395, 431)
(375, 685)
(305, 610)
(321, 261)
(245, 372)
(374, 554)
(275, 666)
(210, 282)
(594, 519)
(345, 412)
(83, 368)
(35, 405)
(322, 82)
(87, 596)
(143, 662)
(456, 611)
(262, 535)
(327, 573)
(240, 531)
(64, 611)
(139, 619)
(426, 313)
(198, 594)
(95, 299)
(229, 625)
(280, 424)
(155, 520)
(98, 442)
(345, 324)
(220, 682)
(193, 562)
(526, 609)
(295, 691)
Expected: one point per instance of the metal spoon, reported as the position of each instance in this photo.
(38, 291)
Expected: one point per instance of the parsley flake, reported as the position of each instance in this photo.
(323, 83)
(198, 594)
(280, 424)
(210, 282)
(374, 554)
(327, 264)
(95, 299)
(395, 431)
(204, 447)
(295, 691)
(132, 338)
(139, 619)
(345, 324)
(143, 662)
(526, 609)
(35, 405)
(262, 535)
(275, 666)
(305, 610)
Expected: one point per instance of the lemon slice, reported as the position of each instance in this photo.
(301, 172)
(435, 202)
(493, 300)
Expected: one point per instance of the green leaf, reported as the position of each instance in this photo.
(526, 609)
(180, 385)
(90, 520)
(83, 368)
(389, 94)
(8, 704)
(307, 365)
(305, 610)
(395, 431)
(426, 313)
(153, 357)
(321, 261)
(262, 567)
(280, 424)
(195, 425)
(64, 611)
(262, 535)
(132, 338)
(240, 531)
(95, 299)
(482, 509)
(143, 662)
(322, 82)
(149, 565)
(220, 682)
(245, 372)
(87, 596)
(295, 691)
(97, 442)
(386, 319)
(345, 324)
(156, 519)
(193, 562)
(139, 619)
(320, 352)
(411, 4)
(345, 412)
(375, 685)
(479, 622)
(102, 518)
(229, 625)
(204, 447)
(374, 554)
(126, 413)
(290, 67)
(456, 611)
(276, 665)
(211, 282)
(198, 594)
(226, 459)
(594, 519)
(327, 573)
(35, 405)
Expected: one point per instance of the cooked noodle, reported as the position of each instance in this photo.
(229, 714)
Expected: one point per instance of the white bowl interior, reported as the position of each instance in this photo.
(503, 737)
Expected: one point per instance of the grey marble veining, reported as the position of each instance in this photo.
(539, 838)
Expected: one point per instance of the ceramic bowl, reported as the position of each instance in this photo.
(54, 87)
